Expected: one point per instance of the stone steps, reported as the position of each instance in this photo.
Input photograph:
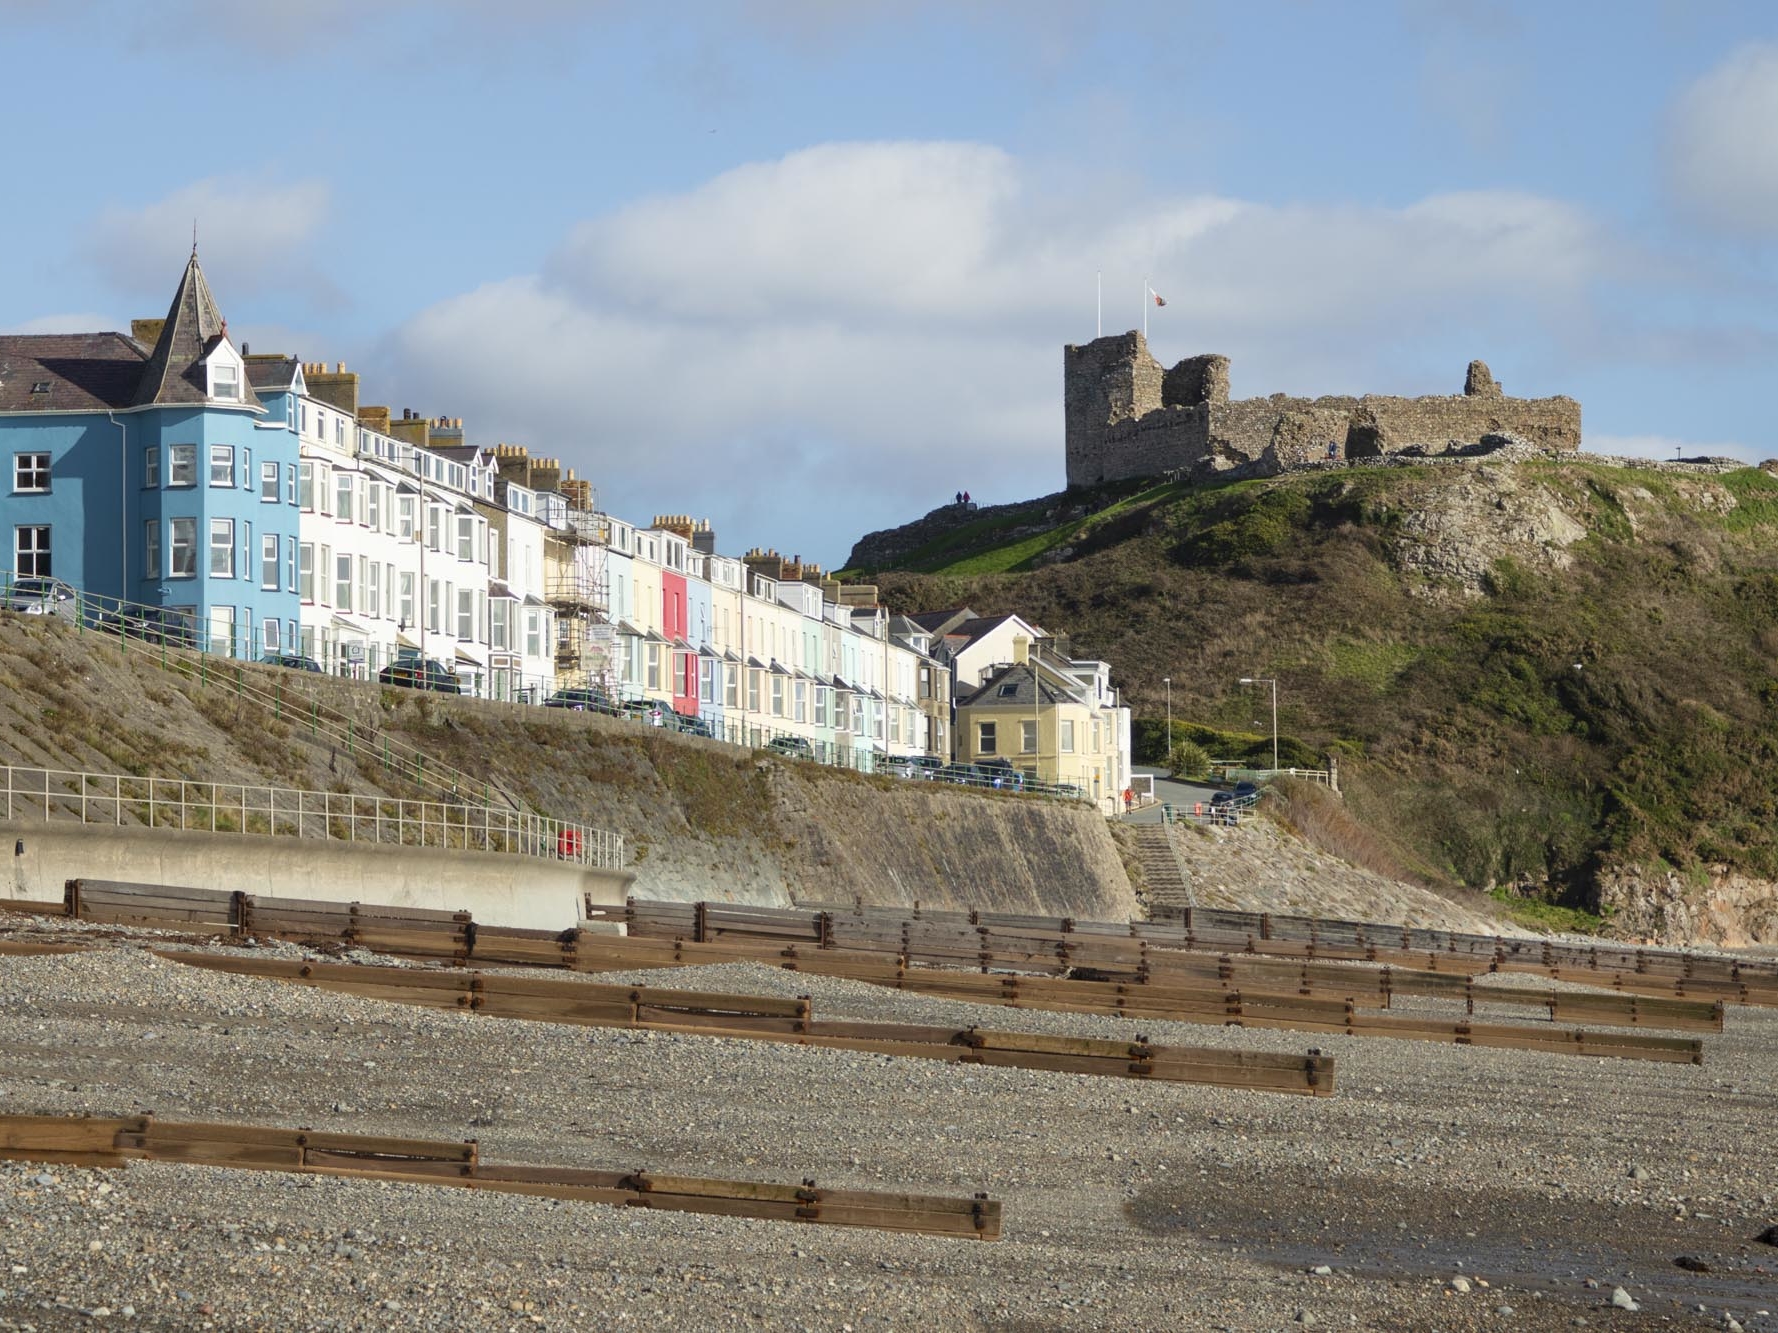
(1168, 883)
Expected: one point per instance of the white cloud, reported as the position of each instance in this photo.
(1722, 144)
(252, 236)
(884, 321)
(1668, 447)
(895, 228)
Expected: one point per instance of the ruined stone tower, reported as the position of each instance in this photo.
(1127, 417)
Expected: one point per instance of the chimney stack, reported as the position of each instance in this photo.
(337, 388)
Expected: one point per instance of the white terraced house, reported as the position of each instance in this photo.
(521, 635)
(392, 557)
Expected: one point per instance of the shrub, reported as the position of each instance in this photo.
(1190, 760)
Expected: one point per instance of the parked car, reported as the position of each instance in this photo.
(295, 661)
(33, 596)
(1243, 793)
(149, 624)
(1225, 806)
(420, 673)
(651, 711)
(580, 700)
(969, 775)
(1001, 774)
(791, 747)
(923, 767)
(1068, 791)
(693, 725)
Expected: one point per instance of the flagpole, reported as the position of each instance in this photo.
(1099, 280)
(1145, 308)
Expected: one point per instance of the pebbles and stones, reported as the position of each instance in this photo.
(1129, 1205)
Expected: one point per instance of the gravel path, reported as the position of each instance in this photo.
(1128, 1205)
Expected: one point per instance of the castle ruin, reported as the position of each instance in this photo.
(1128, 417)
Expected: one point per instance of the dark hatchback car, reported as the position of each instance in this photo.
(1002, 774)
(420, 673)
(1225, 806)
(1243, 793)
(150, 624)
(581, 701)
(294, 661)
(791, 747)
(693, 725)
(969, 775)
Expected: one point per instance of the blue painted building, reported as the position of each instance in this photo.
(148, 467)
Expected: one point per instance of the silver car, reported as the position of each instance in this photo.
(919, 766)
(38, 596)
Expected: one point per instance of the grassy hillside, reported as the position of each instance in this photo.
(1530, 670)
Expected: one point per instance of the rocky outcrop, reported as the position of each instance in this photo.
(1455, 533)
(1258, 866)
(1720, 907)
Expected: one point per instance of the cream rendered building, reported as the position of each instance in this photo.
(1056, 720)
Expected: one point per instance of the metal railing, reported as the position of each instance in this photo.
(1236, 773)
(186, 646)
(294, 812)
(1207, 812)
(176, 647)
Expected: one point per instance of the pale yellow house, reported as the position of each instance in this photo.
(1052, 721)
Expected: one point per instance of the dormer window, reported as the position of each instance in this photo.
(225, 380)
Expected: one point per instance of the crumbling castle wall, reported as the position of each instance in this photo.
(1127, 417)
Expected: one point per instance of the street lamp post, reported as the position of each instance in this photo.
(1168, 682)
(1264, 680)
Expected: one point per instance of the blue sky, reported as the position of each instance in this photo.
(806, 268)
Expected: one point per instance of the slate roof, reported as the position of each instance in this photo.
(93, 372)
(194, 326)
(86, 372)
(1021, 679)
(971, 630)
(271, 372)
(941, 622)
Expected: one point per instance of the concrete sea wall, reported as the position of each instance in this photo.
(495, 889)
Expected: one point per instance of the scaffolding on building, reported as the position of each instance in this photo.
(579, 591)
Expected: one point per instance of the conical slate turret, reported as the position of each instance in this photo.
(175, 371)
